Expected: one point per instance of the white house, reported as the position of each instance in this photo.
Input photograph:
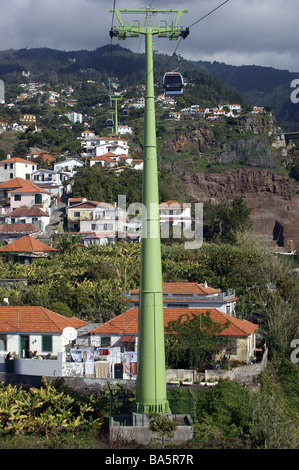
(119, 337)
(29, 215)
(74, 117)
(175, 213)
(106, 160)
(19, 192)
(33, 329)
(193, 295)
(70, 165)
(30, 195)
(15, 167)
(50, 180)
(124, 129)
(117, 145)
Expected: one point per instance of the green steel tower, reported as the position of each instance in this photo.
(151, 395)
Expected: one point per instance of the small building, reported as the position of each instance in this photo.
(35, 330)
(120, 336)
(175, 213)
(12, 232)
(29, 215)
(15, 167)
(70, 165)
(25, 249)
(192, 295)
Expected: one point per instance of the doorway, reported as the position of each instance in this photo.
(24, 346)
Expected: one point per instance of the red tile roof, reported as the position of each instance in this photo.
(185, 288)
(18, 228)
(27, 244)
(16, 159)
(25, 211)
(14, 183)
(20, 185)
(35, 320)
(127, 322)
(172, 204)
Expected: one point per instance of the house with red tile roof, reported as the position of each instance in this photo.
(15, 167)
(12, 232)
(193, 295)
(120, 334)
(25, 249)
(98, 222)
(18, 192)
(175, 213)
(29, 215)
(25, 329)
(105, 160)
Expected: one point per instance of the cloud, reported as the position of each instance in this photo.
(260, 32)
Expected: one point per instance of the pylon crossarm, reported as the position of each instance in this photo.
(124, 31)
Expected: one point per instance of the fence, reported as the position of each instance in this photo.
(181, 404)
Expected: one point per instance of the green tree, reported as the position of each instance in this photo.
(162, 425)
(193, 339)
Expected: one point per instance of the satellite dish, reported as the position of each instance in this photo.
(69, 333)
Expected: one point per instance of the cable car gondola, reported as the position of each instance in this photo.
(109, 124)
(173, 83)
(125, 112)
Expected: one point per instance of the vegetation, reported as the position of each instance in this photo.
(192, 341)
(89, 282)
(163, 425)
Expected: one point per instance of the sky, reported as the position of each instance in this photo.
(241, 32)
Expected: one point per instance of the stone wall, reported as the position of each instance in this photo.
(242, 375)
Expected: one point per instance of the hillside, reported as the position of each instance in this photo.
(212, 160)
(262, 86)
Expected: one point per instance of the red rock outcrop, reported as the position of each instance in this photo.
(271, 198)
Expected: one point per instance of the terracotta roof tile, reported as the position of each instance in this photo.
(27, 244)
(25, 211)
(14, 183)
(16, 159)
(185, 288)
(172, 204)
(18, 228)
(127, 322)
(35, 320)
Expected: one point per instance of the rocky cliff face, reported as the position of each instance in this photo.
(271, 198)
(246, 141)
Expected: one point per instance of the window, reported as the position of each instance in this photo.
(177, 305)
(11, 166)
(231, 347)
(77, 214)
(105, 341)
(3, 342)
(17, 197)
(27, 177)
(11, 175)
(38, 199)
(47, 344)
(5, 166)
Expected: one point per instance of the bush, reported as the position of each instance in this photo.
(225, 406)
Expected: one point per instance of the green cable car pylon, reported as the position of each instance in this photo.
(115, 99)
(151, 393)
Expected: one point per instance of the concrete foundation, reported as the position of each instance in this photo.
(135, 428)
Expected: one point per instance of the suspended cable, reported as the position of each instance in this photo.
(187, 30)
(200, 19)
